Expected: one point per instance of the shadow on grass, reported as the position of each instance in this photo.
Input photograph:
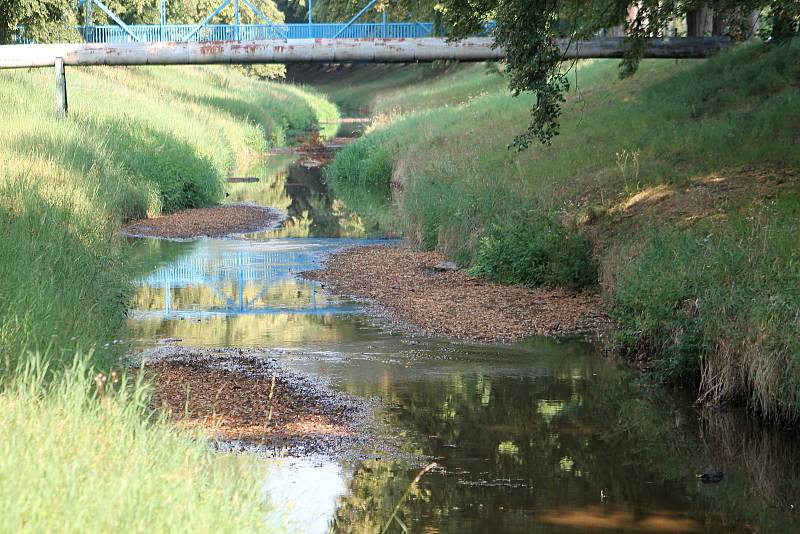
(147, 158)
(62, 281)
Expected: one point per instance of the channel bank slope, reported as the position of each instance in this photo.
(673, 193)
(80, 446)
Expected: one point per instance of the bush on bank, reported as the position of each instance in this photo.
(662, 178)
(535, 251)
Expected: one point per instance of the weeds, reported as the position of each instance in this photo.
(82, 453)
(718, 304)
(536, 251)
(65, 185)
(628, 165)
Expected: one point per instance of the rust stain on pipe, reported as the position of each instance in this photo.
(324, 51)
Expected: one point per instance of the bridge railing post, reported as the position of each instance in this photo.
(61, 88)
(236, 19)
(163, 21)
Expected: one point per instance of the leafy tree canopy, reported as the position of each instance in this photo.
(343, 10)
(47, 21)
(527, 29)
(43, 20)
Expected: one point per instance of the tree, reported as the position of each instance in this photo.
(44, 21)
(527, 29)
(343, 10)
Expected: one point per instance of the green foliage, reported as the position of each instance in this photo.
(45, 21)
(360, 175)
(527, 28)
(344, 10)
(459, 184)
(75, 459)
(385, 91)
(183, 178)
(535, 250)
(185, 12)
(65, 185)
(719, 297)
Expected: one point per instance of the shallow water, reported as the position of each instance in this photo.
(536, 436)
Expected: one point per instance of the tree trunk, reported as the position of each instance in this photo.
(698, 22)
(753, 23)
(719, 23)
(784, 26)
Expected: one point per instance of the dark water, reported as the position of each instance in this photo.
(537, 436)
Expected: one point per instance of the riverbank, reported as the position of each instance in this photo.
(93, 451)
(410, 291)
(674, 193)
(217, 221)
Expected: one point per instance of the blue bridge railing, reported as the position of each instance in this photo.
(249, 32)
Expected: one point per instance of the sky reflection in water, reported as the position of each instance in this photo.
(537, 436)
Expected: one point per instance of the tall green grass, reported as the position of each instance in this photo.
(74, 458)
(138, 141)
(444, 178)
(391, 89)
(720, 302)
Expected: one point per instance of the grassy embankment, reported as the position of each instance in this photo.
(676, 190)
(137, 142)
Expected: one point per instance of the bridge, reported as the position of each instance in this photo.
(308, 42)
(270, 41)
(266, 28)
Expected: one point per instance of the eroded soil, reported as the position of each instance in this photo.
(452, 304)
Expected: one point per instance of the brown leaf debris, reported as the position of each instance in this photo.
(452, 304)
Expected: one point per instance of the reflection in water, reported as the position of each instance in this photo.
(243, 293)
(229, 277)
(538, 436)
(312, 210)
(305, 491)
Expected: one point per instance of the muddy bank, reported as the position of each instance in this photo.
(245, 399)
(217, 221)
(406, 284)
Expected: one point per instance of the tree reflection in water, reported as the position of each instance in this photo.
(568, 443)
(539, 436)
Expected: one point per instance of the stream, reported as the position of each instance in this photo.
(541, 435)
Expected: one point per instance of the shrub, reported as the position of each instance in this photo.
(360, 176)
(535, 250)
(719, 303)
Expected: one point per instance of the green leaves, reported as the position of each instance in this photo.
(535, 250)
(527, 30)
(44, 21)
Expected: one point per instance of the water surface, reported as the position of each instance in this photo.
(539, 436)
